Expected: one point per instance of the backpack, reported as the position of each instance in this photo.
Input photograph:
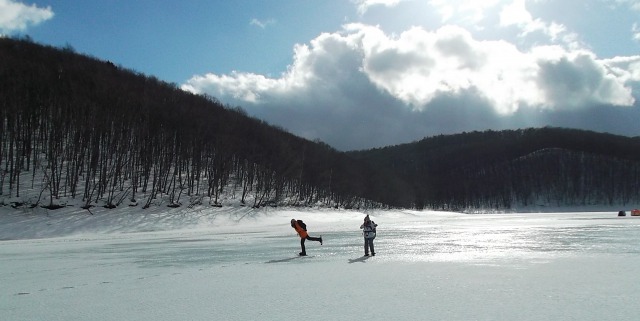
(301, 223)
(372, 230)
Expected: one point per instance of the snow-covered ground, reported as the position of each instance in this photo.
(242, 264)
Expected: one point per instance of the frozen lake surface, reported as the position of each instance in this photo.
(429, 266)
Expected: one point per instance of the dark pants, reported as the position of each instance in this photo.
(368, 244)
(317, 239)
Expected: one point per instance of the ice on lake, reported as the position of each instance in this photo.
(429, 266)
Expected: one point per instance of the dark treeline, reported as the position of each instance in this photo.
(505, 169)
(72, 126)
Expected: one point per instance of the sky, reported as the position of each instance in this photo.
(360, 74)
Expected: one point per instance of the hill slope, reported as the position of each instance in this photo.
(77, 130)
(505, 169)
(75, 127)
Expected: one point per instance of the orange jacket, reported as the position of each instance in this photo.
(303, 234)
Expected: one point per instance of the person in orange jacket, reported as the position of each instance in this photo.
(301, 228)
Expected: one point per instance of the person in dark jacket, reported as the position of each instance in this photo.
(369, 232)
(301, 229)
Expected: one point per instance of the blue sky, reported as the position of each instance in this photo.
(369, 73)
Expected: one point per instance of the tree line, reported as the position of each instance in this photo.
(76, 127)
(73, 126)
(512, 168)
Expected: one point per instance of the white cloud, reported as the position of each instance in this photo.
(633, 4)
(635, 29)
(16, 16)
(516, 14)
(469, 11)
(262, 24)
(242, 86)
(418, 65)
(361, 75)
(364, 5)
(578, 79)
(625, 68)
(480, 15)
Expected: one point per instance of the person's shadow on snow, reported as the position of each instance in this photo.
(285, 260)
(361, 259)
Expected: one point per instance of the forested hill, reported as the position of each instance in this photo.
(506, 169)
(74, 127)
(77, 128)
